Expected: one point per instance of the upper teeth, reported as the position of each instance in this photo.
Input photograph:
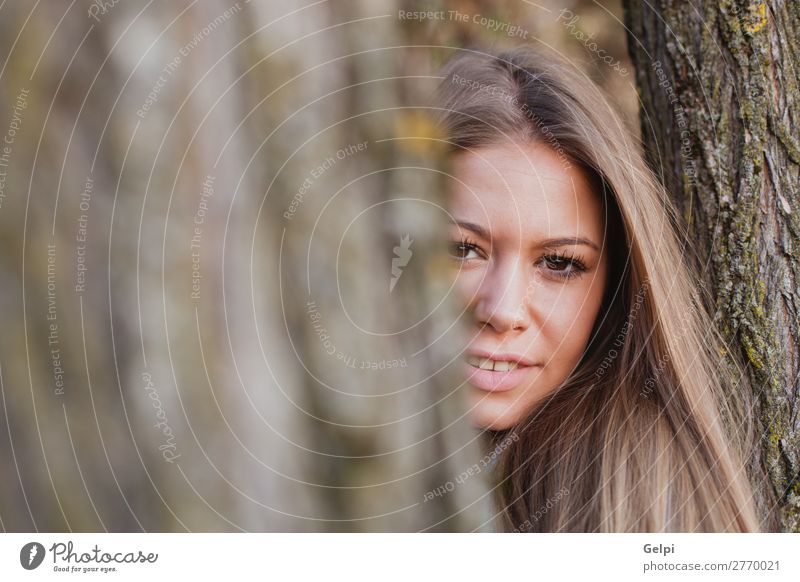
(489, 364)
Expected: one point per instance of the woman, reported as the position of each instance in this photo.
(590, 345)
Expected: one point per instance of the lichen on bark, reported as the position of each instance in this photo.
(732, 66)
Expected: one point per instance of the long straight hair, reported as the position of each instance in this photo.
(651, 432)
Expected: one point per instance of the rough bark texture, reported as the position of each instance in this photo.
(719, 91)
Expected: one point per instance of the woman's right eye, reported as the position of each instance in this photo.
(463, 251)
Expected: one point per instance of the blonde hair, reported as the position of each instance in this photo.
(651, 431)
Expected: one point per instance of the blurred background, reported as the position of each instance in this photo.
(222, 296)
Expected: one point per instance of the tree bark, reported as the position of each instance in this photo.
(719, 93)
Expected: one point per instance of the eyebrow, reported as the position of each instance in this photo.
(550, 242)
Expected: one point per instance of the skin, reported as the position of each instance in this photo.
(521, 196)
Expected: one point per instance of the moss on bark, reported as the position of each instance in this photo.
(726, 151)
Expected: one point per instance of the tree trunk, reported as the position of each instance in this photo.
(719, 86)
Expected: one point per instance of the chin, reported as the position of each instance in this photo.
(492, 415)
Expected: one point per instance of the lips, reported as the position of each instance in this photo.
(500, 357)
(497, 372)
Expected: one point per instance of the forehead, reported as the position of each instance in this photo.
(525, 189)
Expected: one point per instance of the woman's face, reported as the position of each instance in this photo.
(527, 243)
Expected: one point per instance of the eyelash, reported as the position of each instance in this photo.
(575, 261)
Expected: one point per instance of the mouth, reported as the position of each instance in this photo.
(498, 374)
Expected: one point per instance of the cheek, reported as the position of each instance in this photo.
(568, 322)
(467, 282)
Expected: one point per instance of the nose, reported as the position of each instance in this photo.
(502, 300)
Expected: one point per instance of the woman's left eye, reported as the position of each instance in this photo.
(564, 266)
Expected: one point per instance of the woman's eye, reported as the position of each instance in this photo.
(463, 251)
(565, 267)
(557, 263)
